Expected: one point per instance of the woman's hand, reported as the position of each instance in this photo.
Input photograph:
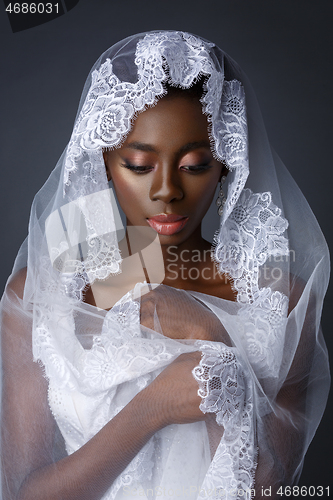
(180, 316)
(172, 398)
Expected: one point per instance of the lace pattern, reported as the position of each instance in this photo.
(221, 386)
(110, 105)
(252, 234)
(82, 240)
(226, 391)
(108, 112)
(262, 331)
(232, 132)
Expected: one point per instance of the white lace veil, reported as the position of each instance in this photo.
(269, 243)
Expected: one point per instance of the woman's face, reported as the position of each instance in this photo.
(164, 174)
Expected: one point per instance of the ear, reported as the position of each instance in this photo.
(105, 157)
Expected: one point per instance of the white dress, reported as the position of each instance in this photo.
(89, 386)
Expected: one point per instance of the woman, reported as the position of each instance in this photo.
(133, 363)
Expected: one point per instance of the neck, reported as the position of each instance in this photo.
(184, 262)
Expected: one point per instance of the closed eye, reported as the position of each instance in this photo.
(138, 169)
(144, 169)
(195, 169)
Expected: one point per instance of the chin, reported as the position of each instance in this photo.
(174, 239)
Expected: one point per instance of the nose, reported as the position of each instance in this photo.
(166, 185)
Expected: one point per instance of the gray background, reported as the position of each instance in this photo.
(285, 47)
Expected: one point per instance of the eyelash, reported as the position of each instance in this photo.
(194, 169)
(143, 169)
(138, 169)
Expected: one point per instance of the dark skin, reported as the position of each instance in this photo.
(166, 166)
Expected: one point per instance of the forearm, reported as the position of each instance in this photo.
(283, 449)
(90, 471)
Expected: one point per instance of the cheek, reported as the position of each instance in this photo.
(130, 193)
(205, 190)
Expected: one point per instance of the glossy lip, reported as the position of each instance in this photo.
(167, 224)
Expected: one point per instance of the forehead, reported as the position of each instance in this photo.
(173, 122)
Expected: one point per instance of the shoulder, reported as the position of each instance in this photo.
(16, 319)
(16, 283)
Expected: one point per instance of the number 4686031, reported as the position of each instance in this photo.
(304, 491)
(33, 8)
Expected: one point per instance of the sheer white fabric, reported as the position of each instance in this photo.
(70, 368)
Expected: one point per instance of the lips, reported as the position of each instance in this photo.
(167, 224)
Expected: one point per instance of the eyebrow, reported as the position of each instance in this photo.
(142, 146)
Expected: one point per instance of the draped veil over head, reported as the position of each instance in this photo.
(267, 389)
